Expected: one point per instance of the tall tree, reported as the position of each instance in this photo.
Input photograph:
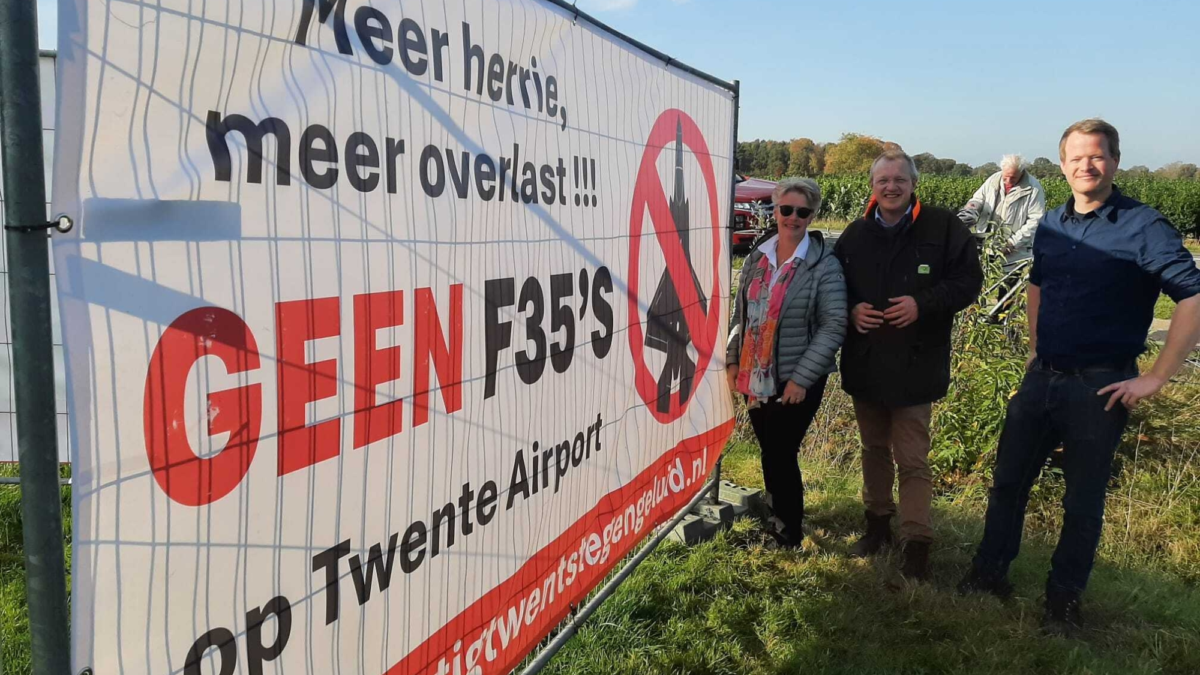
(777, 158)
(960, 169)
(926, 162)
(945, 166)
(853, 153)
(987, 169)
(807, 158)
(1178, 170)
(1044, 168)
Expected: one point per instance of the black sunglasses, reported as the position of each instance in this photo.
(786, 210)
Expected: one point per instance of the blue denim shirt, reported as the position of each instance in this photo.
(1100, 274)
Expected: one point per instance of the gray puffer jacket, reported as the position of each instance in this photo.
(812, 325)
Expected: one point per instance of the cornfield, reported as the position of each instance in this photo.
(1177, 199)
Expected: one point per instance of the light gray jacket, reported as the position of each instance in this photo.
(812, 325)
(1017, 213)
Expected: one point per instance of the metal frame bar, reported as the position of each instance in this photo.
(564, 636)
(1017, 267)
(579, 14)
(711, 490)
(737, 102)
(1018, 275)
(33, 358)
(46, 572)
(13, 480)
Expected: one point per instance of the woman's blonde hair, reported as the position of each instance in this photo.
(805, 186)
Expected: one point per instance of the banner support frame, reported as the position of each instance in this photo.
(583, 613)
(32, 348)
(667, 60)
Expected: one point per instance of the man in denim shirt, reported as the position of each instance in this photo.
(1100, 262)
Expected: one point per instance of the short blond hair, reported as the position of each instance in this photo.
(896, 156)
(804, 186)
(1094, 125)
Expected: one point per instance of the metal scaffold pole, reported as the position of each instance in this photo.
(33, 358)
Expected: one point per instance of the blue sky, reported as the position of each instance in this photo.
(965, 79)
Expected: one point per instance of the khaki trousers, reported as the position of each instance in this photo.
(894, 437)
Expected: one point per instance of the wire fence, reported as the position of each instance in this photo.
(194, 219)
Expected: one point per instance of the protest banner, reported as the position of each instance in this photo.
(389, 328)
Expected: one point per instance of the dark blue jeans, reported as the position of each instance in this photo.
(1052, 408)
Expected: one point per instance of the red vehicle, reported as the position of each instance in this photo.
(752, 209)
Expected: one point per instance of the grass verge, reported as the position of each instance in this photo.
(1164, 307)
(737, 605)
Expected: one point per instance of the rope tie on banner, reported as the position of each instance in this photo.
(61, 222)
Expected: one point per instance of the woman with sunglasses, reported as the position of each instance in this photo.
(789, 319)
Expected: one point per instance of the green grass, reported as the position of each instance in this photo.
(736, 605)
(1192, 245)
(1164, 307)
(829, 225)
(14, 615)
(14, 612)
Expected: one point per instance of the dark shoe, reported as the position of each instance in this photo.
(781, 541)
(879, 534)
(981, 581)
(916, 561)
(784, 536)
(1063, 616)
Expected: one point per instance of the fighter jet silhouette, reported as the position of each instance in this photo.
(668, 332)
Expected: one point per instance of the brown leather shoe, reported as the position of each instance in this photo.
(916, 560)
(879, 534)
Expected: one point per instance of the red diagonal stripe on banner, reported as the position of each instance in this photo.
(678, 268)
(476, 626)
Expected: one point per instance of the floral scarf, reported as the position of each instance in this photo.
(760, 322)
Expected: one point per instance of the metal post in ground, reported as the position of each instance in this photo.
(568, 631)
(737, 89)
(33, 359)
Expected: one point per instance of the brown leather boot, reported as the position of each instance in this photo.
(916, 560)
(879, 534)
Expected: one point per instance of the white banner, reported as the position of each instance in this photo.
(389, 327)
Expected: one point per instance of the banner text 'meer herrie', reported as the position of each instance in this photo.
(378, 360)
(368, 161)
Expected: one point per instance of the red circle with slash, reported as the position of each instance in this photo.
(650, 197)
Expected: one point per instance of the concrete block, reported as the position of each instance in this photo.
(722, 513)
(694, 529)
(739, 510)
(750, 498)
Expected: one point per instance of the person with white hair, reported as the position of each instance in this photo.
(1100, 262)
(1011, 202)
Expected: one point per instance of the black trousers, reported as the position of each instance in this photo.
(780, 429)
